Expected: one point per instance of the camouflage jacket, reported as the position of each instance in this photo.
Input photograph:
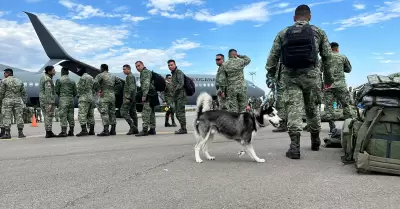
(66, 87)
(220, 80)
(146, 83)
(130, 88)
(85, 88)
(169, 91)
(234, 70)
(323, 47)
(13, 89)
(108, 85)
(340, 65)
(47, 94)
(178, 81)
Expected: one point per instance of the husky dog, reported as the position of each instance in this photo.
(240, 127)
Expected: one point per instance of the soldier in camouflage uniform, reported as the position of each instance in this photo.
(221, 82)
(107, 85)
(13, 96)
(180, 97)
(280, 104)
(169, 99)
(236, 94)
(2, 129)
(66, 91)
(128, 109)
(86, 104)
(338, 92)
(148, 94)
(302, 85)
(47, 99)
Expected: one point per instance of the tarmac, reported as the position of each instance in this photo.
(160, 172)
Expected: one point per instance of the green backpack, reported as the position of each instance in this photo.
(372, 142)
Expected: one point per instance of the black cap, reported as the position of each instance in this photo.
(9, 70)
(232, 50)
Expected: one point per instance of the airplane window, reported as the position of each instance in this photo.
(208, 84)
(196, 84)
(212, 85)
(36, 84)
(30, 84)
(25, 84)
(204, 84)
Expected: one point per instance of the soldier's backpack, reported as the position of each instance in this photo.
(373, 142)
(159, 81)
(299, 47)
(189, 86)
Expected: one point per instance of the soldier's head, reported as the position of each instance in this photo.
(219, 59)
(168, 77)
(335, 47)
(64, 71)
(127, 69)
(8, 72)
(171, 65)
(81, 71)
(49, 70)
(350, 88)
(232, 53)
(139, 66)
(104, 67)
(302, 12)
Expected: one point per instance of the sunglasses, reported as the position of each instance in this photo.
(218, 59)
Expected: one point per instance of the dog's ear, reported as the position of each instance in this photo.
(269, 110)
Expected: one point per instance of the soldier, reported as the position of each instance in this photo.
(220, 82)
(149, 95)
(2, 129)
(280, 104)
(300, 74)
(86, 104)
(128, 109)
(168, 98)
(13, 96)
(56, 113)
(236, 85)
(106, 86)
(338, 92)
(47, 99)
(180, 97)
(66, 91)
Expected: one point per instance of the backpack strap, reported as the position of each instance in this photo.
(367, 137)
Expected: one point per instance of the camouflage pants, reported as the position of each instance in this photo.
(107, 112)
(222, 103)
(236, 99)
(302, 93)
(1, 119)
(10, 107)
(86, 113)
(280, 103)
(148, 116)
(66, 112)
(180, 110)
(342, 96)
(57, 114)
(48, 115)
(128, 111)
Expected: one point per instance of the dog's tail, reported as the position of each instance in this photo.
(203, 103)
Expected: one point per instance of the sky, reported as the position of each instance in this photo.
(192, 32)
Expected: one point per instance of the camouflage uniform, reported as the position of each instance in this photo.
(13, 96)
(66, 91)
(107, 84)
(148, 114)
(47, 99)
(2, 130)
(180, 99)
(302, 89)
(57, 114)
(169, 99)
(86, 105)
(236, 94)
(338, 92)
(128, 108)
(280, 103)
(221, 85)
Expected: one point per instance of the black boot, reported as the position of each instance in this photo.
(83, 132)
(50, 134)
(3, 130)
(332, 126)
(20, 133)
(91, 131)
(182, 130)
(133, 129)
(144, 132)
(294, 150)
(105, 132)
(152, 131)
(112, 131)
(71, 131)
(6, 134)
(167, 120)
(63, 132)
(281, 128)
(315, 141)
(173, 120)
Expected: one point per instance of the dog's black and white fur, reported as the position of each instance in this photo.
(240, 127)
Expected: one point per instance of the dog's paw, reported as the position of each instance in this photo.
(199, 160)
(261, 160)
(211, 158)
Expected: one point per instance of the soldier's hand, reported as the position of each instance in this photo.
(143, 99)
(164, 103)
(126, 101)
(222, 94)
(327, 86)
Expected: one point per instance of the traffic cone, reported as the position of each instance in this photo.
(34, 123)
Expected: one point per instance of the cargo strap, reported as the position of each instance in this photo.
(367, 137)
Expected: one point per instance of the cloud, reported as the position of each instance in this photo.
(389, 53)
(177, 16)
(258, 25)
(89, 43)
(32, 1)
(2, 13)
(359, 6)
(390, 61)
(390, 10)
(213, 29)
(121, 9)
(167, 7)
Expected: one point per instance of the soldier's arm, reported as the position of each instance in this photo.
(74, 89)
(273, 58)
(347, 65)
(127, 88)
(24, 95)
(79, 86)
(58, 87)
(96, 85)
(326, 56)
(1, 92)
(133, 92)
(180, 81)
(48, 91)
(245, 59)
(145, 81)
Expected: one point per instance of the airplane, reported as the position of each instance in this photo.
(58, 56)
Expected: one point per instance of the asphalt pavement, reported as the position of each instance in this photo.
(160, 172)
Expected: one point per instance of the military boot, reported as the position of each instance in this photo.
(315, 141)
(133, 129)
(281, 128)
(294, 150)
(112, 131)
(332, 126)
(83, 131)
(6, 134)
(3, 130)
(21, 133)
(152, 131)
(173, 120)
(50, 134)
(144, 132)
(91, 131)
(71, 131)
(105, 132)
(63, 132)
(167, 120)
(182, 130)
